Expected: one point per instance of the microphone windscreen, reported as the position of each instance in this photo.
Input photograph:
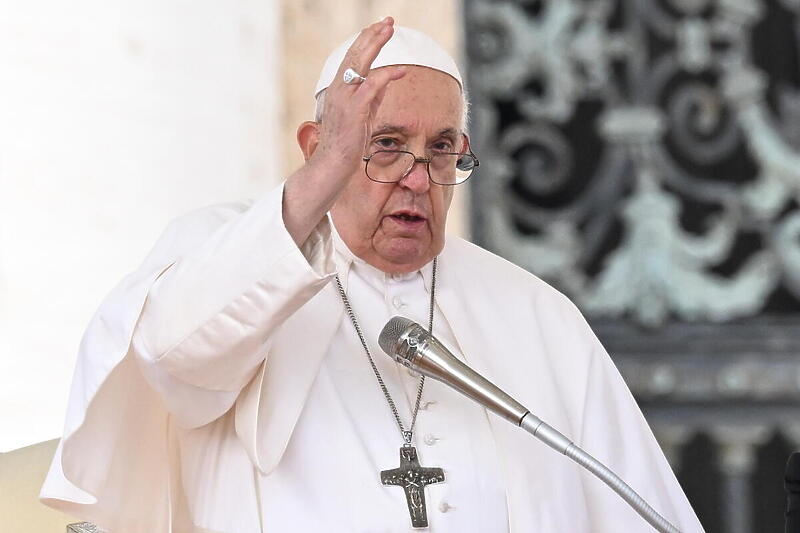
(391, 333)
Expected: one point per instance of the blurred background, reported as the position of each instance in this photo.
(643, 156)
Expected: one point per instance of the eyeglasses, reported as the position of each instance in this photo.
(391, 166)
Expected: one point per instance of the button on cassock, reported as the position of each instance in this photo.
(445, 507)
(430, 440)
(424, 406)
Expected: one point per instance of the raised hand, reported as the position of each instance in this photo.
(334, 147)
(348, 107)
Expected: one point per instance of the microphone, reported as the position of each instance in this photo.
(412, 346)
(792, 487)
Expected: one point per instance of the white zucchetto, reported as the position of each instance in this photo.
(406, 47)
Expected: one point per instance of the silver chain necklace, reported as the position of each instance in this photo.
(410, 475)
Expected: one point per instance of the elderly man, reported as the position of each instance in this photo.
(233, 383)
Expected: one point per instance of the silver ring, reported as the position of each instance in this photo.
(351, 77)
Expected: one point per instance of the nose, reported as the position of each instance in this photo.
(416, 180)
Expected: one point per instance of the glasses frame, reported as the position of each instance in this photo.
(426, 160)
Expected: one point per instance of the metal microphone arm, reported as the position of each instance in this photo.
(412, 346)
(556, 440)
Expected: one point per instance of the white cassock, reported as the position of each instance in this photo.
(221, 388)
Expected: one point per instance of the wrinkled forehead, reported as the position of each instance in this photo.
(424, 96)
(406, 47)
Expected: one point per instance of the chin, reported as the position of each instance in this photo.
(402, 257)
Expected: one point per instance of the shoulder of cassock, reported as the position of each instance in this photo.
(510, 326)
(113, 414)
(532, 340)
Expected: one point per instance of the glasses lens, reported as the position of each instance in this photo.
(389, 166)
(451, 169)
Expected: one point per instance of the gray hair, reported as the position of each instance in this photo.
(319, 110)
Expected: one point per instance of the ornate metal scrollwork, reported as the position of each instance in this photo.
(643, 156)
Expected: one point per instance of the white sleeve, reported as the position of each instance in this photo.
(205, 326)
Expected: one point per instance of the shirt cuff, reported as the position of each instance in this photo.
(318, 249)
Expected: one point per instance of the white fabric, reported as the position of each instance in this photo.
(347, 433)
(406, 47)
(250, 429)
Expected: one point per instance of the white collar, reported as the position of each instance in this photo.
(346, 260)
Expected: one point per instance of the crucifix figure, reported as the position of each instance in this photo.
(413, 478)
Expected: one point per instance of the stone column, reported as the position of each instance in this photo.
(737, 459)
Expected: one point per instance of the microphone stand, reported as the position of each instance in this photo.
(556, 440)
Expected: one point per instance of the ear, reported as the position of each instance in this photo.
(308, 138)
(465, 146)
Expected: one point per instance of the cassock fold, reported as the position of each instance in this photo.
(153, 393)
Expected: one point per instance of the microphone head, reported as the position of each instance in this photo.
(391, 333)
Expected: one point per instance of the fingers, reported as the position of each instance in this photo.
(366, 47)
(363, 97)
(345, 126)
(372, 90)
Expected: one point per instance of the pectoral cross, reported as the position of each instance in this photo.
(413, 478)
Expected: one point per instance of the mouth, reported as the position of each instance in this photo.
(408, 219)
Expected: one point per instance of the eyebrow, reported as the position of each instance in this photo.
(391, 128)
